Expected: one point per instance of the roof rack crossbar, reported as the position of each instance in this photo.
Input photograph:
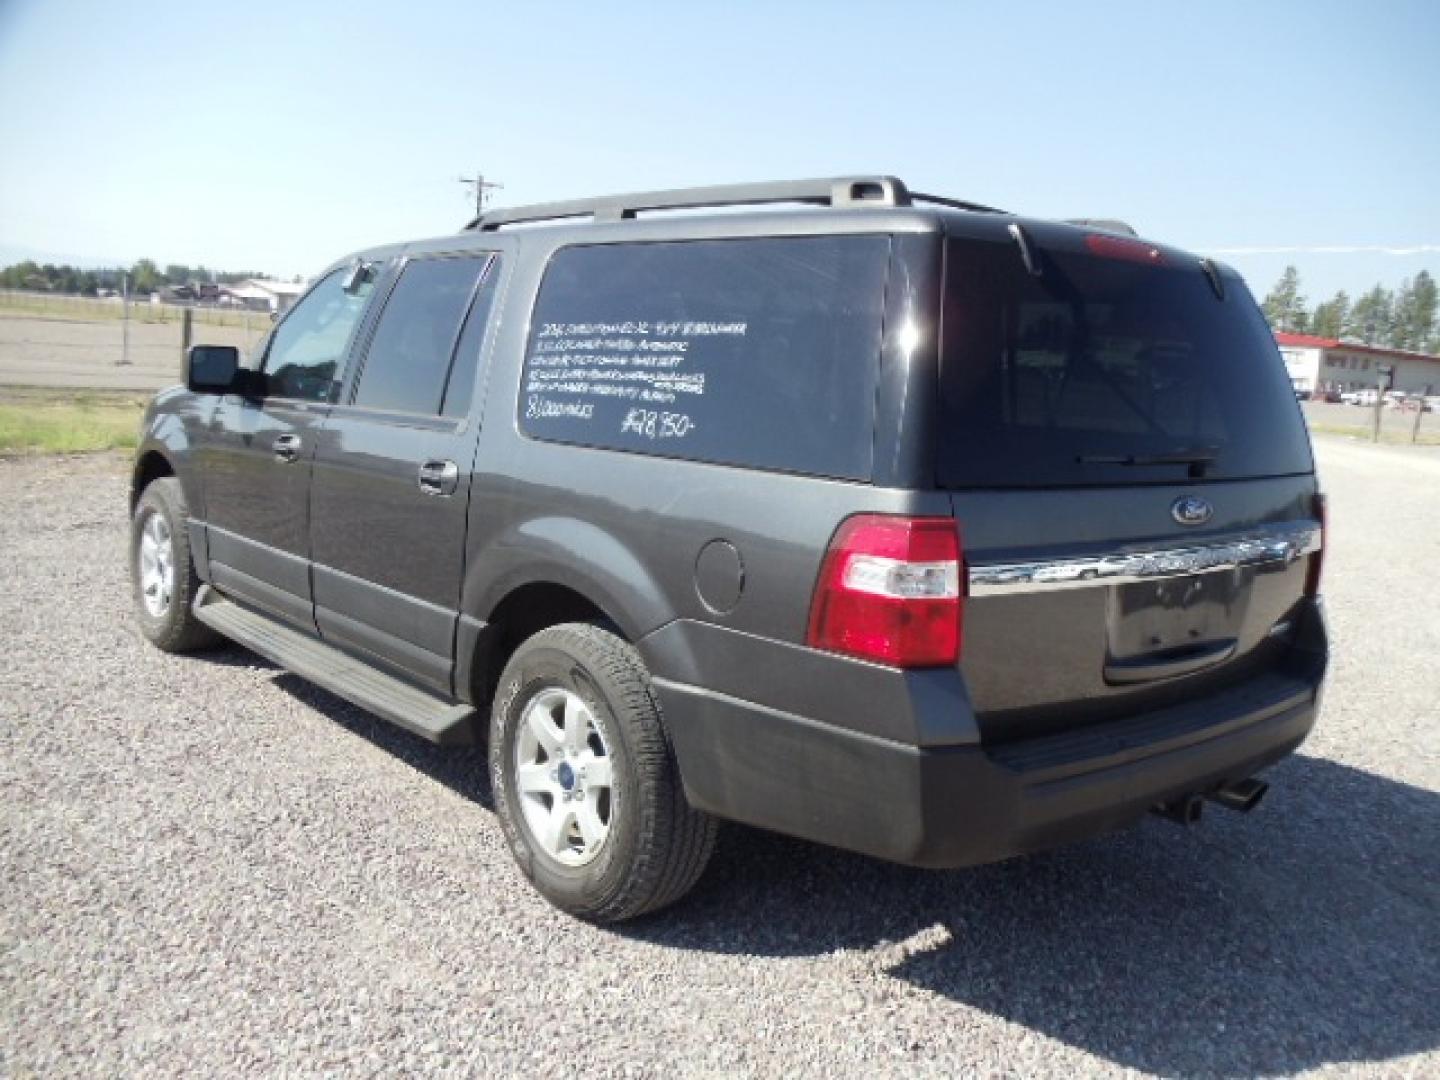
(844, 191)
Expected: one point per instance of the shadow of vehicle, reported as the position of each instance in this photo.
(1307, 933)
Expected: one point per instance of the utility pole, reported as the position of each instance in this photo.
(483, 188)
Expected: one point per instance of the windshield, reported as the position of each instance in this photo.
(1105, 371)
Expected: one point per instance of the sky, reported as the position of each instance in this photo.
(279, 136)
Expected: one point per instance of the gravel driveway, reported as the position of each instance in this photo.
(208, 867)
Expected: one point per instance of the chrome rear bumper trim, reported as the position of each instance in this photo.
(1277, 544)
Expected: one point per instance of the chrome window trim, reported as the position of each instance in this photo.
(1274, 545)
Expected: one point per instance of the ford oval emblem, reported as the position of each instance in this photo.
(1191, 510)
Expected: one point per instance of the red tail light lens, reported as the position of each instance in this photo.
(1118, 247)
(890, 591)
(1312, 575)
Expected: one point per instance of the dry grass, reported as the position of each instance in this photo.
(1392, 436)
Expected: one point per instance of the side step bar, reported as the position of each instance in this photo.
(354, 680)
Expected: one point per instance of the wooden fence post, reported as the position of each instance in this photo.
(187, 334)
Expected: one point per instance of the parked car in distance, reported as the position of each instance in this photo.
(884, 520)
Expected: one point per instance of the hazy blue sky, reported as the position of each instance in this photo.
(278, 136)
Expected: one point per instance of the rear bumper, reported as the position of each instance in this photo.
(964, 805)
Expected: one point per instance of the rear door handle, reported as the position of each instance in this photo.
(439, 477)
(287, 447)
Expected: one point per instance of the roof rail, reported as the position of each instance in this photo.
(836, 191)
(955, 204)
(841, 191)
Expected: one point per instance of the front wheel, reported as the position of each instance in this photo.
(162, 572)
(585, 783)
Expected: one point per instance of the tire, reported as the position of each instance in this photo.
(157, 532)
(584, 680)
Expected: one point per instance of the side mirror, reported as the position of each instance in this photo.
(213, 369)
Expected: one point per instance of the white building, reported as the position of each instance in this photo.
(260, 294)
(1319, 364)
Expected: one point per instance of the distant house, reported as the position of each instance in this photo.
(261, 294)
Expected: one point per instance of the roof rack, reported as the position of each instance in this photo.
(843, 191)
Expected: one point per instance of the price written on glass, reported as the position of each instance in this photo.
(652, 424)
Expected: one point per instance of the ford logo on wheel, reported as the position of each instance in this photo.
(1191, 510)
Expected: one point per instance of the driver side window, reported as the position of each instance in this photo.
(307, 348)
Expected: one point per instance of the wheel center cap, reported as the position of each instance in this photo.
(566, 776)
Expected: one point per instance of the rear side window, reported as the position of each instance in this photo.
(760, 353)
(1104, 371)
(408, 361)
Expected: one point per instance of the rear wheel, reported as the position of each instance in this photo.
(162, 572)
(585, 782)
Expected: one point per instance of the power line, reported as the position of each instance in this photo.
(483, 188)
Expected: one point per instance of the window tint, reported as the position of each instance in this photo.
(307, 348)
(467, 356)
(409, 356)
(747, 352)
(1060, 379)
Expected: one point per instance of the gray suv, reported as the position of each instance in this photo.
(884, 520)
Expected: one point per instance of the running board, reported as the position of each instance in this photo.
(324, 665)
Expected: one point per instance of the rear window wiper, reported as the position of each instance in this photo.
(1198, 459)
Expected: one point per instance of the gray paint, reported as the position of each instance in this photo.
(411, 582)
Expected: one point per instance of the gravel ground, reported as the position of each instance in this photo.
(208, 867)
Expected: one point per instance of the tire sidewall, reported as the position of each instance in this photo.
(572, 888)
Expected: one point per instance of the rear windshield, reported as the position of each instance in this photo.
(1105, 371)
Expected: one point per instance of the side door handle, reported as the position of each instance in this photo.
(287, 448)
(439, 477)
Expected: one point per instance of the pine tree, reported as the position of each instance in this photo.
(1332, 317)
(1415, 312)
(1284, 306)
(1373, 317)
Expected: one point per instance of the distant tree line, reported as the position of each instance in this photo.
(1405, 318)
(145, 277)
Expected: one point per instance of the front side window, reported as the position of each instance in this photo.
(757, 352)
(408, 361)
(307, 348)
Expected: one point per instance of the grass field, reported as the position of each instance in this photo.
(91, 309)
(1392, 436)
(45, 422)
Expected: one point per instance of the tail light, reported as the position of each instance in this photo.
(1312, 575)
(1121, 247)
(890, 591)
